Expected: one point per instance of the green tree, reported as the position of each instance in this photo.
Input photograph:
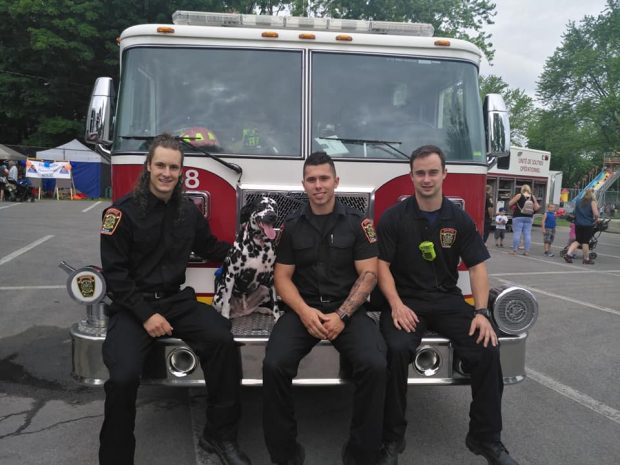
(52, 51)
(520, 107)
(580, 89)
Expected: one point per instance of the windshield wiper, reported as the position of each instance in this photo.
(232, 166)
(371, 142)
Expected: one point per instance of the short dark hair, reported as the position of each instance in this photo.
(319, 158)
(425, 151)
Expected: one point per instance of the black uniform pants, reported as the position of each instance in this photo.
(362, 346)
(124, 351)
(482, 363)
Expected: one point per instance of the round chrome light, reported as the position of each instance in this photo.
(427, 361)
(181, 362)
(515, 309)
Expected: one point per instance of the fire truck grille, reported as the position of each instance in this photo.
(288, 202)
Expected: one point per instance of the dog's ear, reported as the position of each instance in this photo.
(246, 211)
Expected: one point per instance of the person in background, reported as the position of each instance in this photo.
(4, 172)
(525, 206)
(586, 215)
(501, 220)
(489, 209)
(548, 229)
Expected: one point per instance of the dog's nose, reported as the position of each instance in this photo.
(270, 217)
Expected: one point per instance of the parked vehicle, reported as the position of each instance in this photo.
(258, 94)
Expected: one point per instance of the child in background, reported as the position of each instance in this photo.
(500, 227)
(548, 229)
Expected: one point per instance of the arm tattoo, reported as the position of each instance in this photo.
(360, 291)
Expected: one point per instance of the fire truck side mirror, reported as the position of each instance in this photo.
(497, 126)
(100, 113)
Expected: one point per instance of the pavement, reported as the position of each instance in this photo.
(614, 226)
(567, 412)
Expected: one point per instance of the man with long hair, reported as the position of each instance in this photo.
(146, 239)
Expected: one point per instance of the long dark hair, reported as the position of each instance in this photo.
(141, 189)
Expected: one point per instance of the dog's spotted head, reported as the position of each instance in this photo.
(261, 216)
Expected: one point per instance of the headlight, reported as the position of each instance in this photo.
(427, 361)
(515, 309)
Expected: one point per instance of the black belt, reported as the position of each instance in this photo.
(158, 295)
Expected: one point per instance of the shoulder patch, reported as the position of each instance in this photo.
(447, 236)
(111, 219)
(369, 230)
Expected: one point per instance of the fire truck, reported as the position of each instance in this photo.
(254, 95)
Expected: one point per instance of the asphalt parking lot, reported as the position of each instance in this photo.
(567, 411)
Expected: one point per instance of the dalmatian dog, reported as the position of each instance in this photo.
(245, 284)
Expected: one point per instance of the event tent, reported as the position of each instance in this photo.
(91, 172)
(7, 153)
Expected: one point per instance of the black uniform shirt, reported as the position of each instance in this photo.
(147, 253)
(401, 230)
(324, 259)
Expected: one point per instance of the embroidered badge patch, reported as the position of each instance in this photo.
(111, 220)
(447, 236)
(369, 231)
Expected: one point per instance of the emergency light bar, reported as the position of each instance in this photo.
(200, 18)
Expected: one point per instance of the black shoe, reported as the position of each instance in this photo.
(493, 451)
(568, 258)
(227, 451)
(390, 451)
(298, 459)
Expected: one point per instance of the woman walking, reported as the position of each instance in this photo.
(586, 216)
(522, 218)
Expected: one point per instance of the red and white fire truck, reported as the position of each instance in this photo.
(260, 93)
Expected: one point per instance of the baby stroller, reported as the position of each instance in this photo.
(599, 227)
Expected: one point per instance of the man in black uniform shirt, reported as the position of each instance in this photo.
(146, 240)
(325, 270)
(420, 243)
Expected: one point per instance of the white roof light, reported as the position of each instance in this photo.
(199, 18)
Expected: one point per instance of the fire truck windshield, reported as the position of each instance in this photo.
(251, 102)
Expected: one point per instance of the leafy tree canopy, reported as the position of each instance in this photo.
(580, 87)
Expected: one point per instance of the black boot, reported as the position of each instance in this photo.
(227, 451)
(298, 458)
(390, 451)
(493, 451)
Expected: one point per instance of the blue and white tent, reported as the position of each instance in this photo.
(91, 172)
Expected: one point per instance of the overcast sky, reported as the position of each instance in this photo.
(527, 32)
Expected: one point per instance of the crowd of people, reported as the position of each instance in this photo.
(14, 185)
(524, 205)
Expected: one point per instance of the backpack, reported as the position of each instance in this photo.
(528, 206)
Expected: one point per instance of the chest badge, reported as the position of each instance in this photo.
(369, 231)
(110, 221)
(447, 237)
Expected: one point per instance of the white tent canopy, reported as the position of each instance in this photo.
(72, 151)
(7, 153)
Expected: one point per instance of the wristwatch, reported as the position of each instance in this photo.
(344, 316)
(484, 312)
